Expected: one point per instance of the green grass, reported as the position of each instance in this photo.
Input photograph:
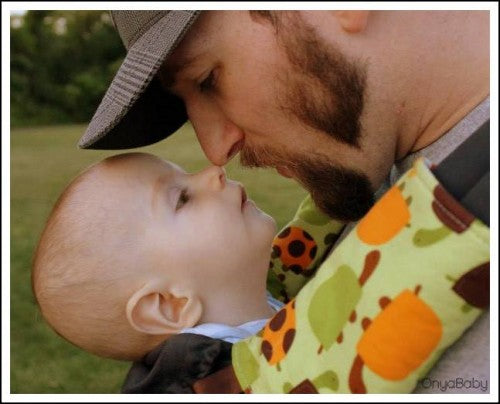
(43, 161)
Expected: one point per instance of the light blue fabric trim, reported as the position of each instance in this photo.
(275, 304)
(234, 334)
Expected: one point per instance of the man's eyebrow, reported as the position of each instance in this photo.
(169, 71)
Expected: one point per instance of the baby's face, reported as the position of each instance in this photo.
(202, 224)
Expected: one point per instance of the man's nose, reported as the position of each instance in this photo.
(222, 142)
(214, 177)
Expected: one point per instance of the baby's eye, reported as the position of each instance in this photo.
(183, 198)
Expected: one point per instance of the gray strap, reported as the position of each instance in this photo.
(477, 200)
(446, 144)
(465, 173)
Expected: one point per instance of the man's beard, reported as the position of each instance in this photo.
(341, 193)
(322, 87)
(324, 91)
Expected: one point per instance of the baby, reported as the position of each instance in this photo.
(138, 257)
(136, 250)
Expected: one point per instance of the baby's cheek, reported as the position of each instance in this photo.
(221, 232)
(221, 228)
(210, 246)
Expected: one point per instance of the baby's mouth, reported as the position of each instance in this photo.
(243, 197)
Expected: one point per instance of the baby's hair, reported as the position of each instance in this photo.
(79, 279)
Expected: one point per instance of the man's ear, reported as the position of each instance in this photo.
(352, 21)
(160, 312)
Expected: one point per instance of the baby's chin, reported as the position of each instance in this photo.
(269, 221)
(271, 228)
(265, 224)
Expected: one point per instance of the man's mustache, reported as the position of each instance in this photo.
(341, 193)
(259, 157)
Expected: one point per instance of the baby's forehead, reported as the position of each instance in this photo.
(122, 175)
(174, 166)
(134, 162)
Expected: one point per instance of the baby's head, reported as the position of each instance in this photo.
(136, 250)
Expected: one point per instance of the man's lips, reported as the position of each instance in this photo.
(284, 171)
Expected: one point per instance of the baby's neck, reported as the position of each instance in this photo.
(238, 307)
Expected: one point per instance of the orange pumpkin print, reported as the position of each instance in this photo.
(397, 341)
(386, 219)
(278, 334)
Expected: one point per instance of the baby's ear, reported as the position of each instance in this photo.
(160, 312)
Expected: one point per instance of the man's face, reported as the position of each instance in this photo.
(282, 96)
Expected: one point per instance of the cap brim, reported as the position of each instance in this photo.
(135, 110)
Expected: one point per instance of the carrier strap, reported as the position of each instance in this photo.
(465, 173)
(223, 381)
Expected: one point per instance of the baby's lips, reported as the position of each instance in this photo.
(243, 195)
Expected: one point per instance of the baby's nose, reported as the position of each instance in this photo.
(215, 175)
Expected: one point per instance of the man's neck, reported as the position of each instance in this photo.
(450, 79)
(435, 127)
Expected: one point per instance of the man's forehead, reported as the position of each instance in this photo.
(192, 47)
(197, 38)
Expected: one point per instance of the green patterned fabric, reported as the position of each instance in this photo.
(404, 285)
(299, 249)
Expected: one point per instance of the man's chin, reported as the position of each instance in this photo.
(341, 193)
(284, 171)
(344, 209)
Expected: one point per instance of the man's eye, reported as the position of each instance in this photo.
(183, 199)
(208, 84)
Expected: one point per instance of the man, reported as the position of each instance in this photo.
(342, 101)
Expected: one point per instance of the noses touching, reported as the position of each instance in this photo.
(213, 177)
(213, 180)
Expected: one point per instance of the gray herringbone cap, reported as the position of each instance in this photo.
(135, 110)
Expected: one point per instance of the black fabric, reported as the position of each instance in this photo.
(465, 173)
(153, 117)
(176, 364)
(477, 200)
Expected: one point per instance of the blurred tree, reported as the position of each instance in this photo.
(61, 64)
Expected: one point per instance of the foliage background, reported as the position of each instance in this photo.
(61, 63)
(60, 78)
